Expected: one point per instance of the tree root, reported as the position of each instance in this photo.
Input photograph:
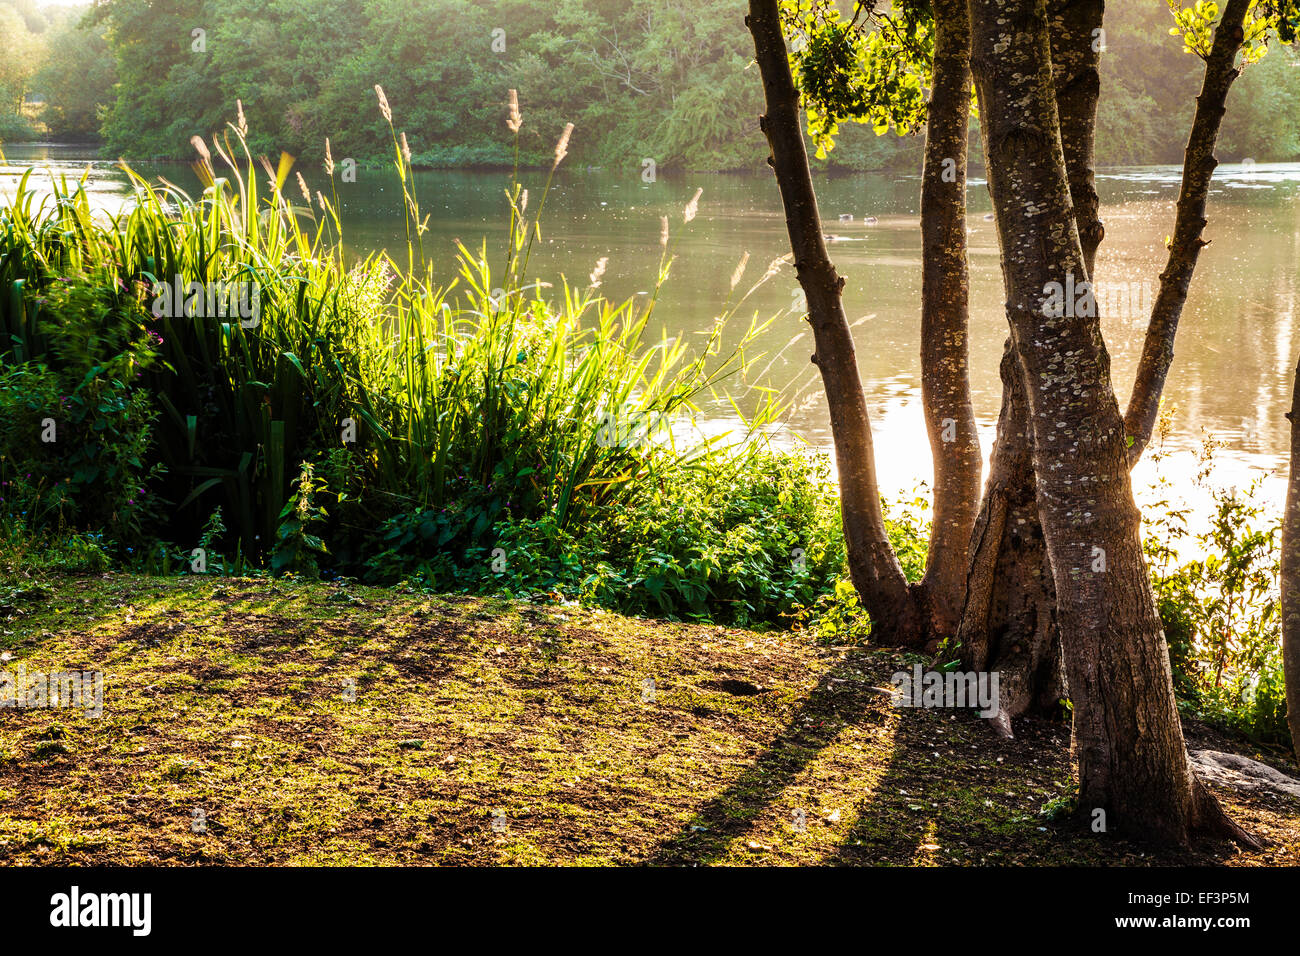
(1209, 819)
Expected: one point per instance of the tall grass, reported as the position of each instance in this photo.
(493, 394)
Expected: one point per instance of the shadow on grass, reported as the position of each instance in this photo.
(842, 699)
(955, 793)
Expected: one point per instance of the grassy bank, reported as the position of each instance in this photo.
(486, 732)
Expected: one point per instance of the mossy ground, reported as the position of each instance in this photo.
(492, 732)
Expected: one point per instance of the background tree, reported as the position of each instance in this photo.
(24, 48)
(661, 79)
(77, 77)
(158, 67)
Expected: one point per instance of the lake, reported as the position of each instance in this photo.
(1232, 373)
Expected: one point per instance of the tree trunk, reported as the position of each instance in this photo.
(1128, 739)
(945, 288)
(1291, 577)
(1185, 247)
(873, 566)
(1008, 623)
(1075, 27)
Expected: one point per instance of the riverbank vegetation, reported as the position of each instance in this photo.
(355, 418)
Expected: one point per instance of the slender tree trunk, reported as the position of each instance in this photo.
(873, 566)
(1189, 223)
(1009, 619)
(1075, 28)
(945, 289)
(1291, 577)
(1128, 739)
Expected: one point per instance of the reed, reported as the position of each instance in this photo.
(531, 402)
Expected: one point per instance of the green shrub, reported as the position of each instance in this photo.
(76, 427)
(435, 423)
(747, 536)
(1220, 608)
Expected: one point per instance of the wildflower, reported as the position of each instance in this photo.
(693, 206)
(515, 121)
(306, 193)
(562, 147)
(383, 103)
(241, 123)
(329, 158)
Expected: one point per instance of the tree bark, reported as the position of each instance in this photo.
(945, 291)
(1128, 739)
(1189, 223)
(1291, 577)
(873, 566)
(1075, 30)
(1008, 623)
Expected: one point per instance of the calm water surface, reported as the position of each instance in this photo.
(1231, 377)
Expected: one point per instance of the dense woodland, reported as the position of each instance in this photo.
(667, 80)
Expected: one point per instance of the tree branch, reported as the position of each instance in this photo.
(1185, 248)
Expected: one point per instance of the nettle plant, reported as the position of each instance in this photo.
(296, 546)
